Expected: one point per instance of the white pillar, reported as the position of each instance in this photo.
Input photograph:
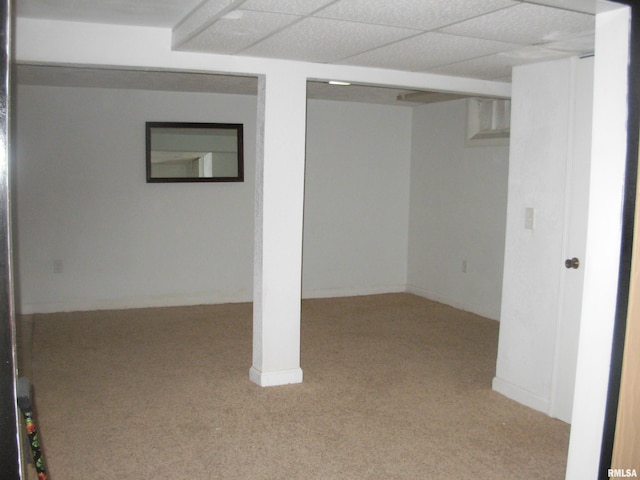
(279, 201)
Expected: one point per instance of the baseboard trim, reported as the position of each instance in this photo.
(177, 300)
(272, 379)
(421, 292)
(241, 296)
(520, 395)
(352, 292)
(126, 303)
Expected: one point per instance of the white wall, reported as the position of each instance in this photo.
(82, 199)
(458, 212)
(356, 198)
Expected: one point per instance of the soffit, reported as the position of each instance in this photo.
(67, 76)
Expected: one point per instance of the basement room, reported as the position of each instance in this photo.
(388, 284)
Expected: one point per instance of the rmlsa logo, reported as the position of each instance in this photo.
(622, 473)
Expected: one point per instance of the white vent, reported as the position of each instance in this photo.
(488, 121)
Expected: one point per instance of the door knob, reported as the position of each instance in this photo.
(572, 262)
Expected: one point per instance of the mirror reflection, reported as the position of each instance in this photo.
(194, 152)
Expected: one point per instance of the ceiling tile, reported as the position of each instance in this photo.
(579, 45)
(231, 34)
(428, 50)
(498, 66)
(533, 53)
(198, 19)
(417, 14)
(293, 7)
(487, 68)
(322, 40)
(526, 23)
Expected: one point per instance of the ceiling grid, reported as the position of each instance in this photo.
(481, 39)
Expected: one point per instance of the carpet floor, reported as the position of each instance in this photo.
(395, 387)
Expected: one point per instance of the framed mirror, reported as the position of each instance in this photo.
(194, 152)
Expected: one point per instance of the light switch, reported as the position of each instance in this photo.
(529, 217)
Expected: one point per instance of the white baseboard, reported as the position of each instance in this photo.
(351, 292)
(272, 379)
(421, 292)
(83, 305)
(241, 296)
(520, 395)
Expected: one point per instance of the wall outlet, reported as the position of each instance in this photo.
(57, 266)
(464, 266)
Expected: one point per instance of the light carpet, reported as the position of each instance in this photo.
(395, 387)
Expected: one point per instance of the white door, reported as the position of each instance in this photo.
(546, 216)
(574, 241)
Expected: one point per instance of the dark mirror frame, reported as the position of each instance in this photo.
(238, 127)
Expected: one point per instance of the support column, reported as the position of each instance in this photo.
(279, 203)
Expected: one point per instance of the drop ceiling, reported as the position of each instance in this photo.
(481, 39)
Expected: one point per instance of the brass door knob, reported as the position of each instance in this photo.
(572, 262)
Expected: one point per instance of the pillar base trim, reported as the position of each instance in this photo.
(520, 395)
(271, 379)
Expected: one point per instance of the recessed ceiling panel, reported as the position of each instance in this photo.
(526, 23)
(419, 14)
(322, 40)
(233, 33)
(428, 50)
(292, 7)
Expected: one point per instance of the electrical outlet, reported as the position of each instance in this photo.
(464, 266)
(57, 266)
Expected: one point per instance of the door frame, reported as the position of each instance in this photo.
(628, 220)
(10, 463)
